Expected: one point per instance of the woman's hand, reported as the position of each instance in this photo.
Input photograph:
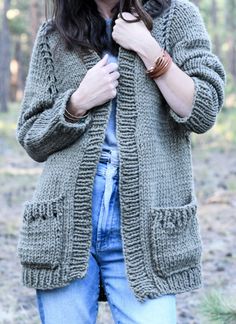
(97, 87)
(131, 36)
(176, 86)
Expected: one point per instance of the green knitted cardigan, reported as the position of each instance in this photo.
(159, 223)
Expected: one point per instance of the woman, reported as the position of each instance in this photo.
(115, 201)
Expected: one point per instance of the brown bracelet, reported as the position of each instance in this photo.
(161, 65)
(69, 116)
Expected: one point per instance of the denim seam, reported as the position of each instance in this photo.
(110, 299)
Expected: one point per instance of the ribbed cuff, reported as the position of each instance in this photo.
(62, 103)
(202, 115)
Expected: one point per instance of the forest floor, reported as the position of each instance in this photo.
(214, 162)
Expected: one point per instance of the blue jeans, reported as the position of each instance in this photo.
(77, 303)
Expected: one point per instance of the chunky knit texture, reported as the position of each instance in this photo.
(159, 224)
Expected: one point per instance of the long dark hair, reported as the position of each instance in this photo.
(80, 24)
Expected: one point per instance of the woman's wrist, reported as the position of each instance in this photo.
(73, 113)
(149, 51)
(74, 109)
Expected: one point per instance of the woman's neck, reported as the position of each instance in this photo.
(105, 6)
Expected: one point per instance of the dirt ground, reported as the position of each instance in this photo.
(215, 180)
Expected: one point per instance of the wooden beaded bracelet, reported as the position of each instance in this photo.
(161, 65)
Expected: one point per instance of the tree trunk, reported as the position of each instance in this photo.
(5, 59)
(17, 77)
(35, 11)
(215, 23)
(230, 29)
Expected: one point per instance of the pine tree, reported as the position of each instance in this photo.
(216, 309)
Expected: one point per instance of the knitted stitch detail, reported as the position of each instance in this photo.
(42, 128)
(84, 182)
(47, 57)
(48, 61)
(129, 167)
(192, 53)
(41, 234)
(158, 212)
(171, 228)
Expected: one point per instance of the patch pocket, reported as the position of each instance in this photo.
(40, 238)
(175, 239)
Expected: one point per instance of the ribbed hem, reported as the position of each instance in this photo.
(42, 278)
(184, 281)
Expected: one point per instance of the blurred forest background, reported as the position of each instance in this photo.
(214, 162)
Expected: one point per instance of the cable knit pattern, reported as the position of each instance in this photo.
(159, 222)
(42, 128)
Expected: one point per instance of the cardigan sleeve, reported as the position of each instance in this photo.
(41, 127)
(192, 52)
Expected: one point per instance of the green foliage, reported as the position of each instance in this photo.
(17, 25)
(217, 309)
